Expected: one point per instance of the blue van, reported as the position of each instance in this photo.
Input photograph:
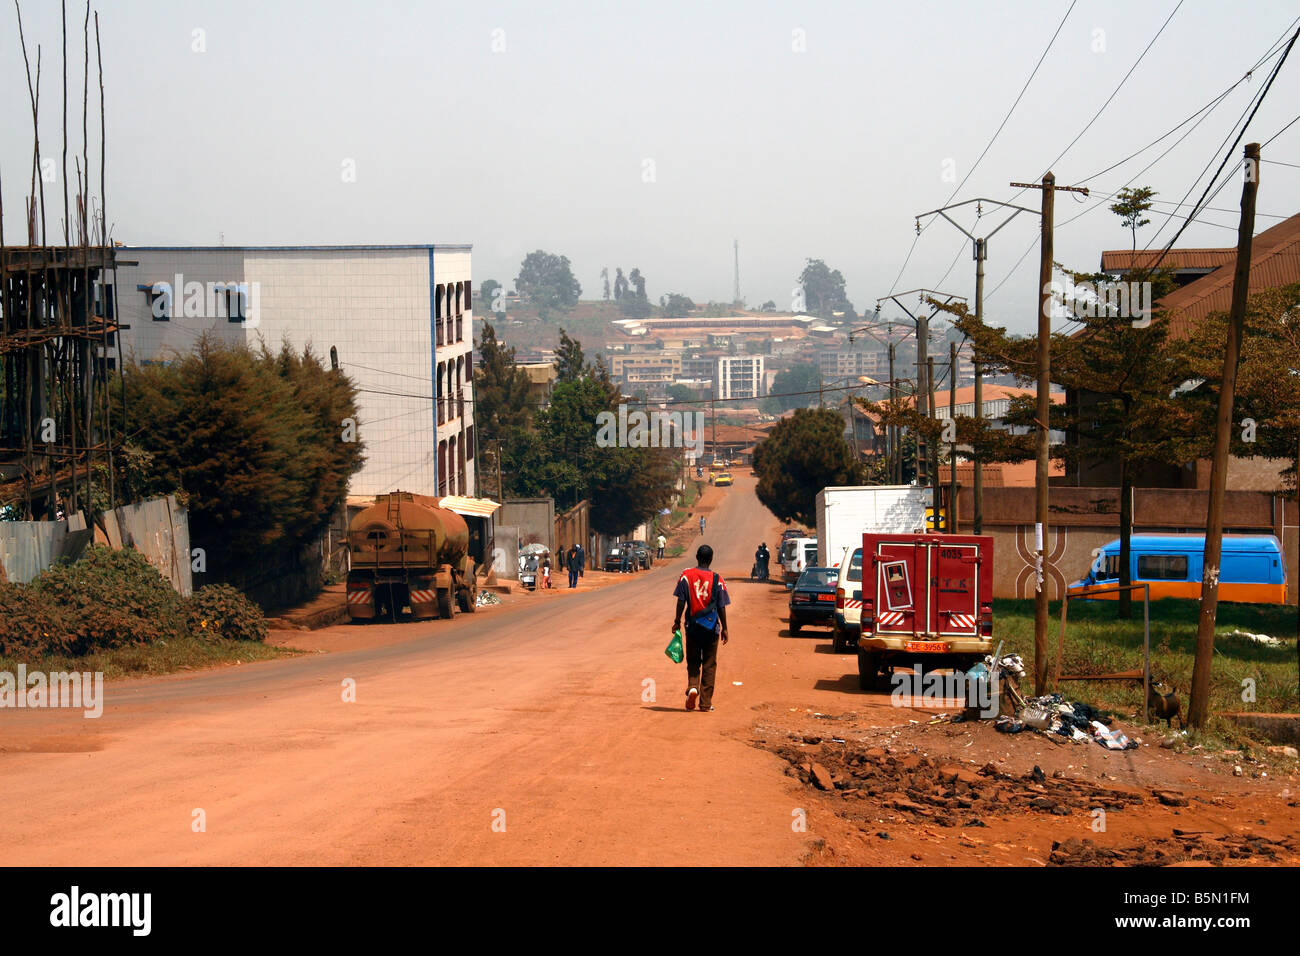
(1251, 568)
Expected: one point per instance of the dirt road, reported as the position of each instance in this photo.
(541, 732)
(549, 730)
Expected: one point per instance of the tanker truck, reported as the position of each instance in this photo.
(406, 551)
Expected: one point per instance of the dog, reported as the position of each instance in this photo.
(1163, 703)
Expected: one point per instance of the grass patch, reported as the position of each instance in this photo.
(147, 660)
(1096, 641)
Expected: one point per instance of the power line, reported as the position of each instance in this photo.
(988, 146)
(1227, 157)
(1113, 94)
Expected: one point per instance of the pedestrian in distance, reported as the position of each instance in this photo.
(573, 562)
(702, 525)
(702, 595)
(662, 543)
(546, 571)
(624, 559)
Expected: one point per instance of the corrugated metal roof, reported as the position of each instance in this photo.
(1275, 262)
(1125, 260)
(478, 507)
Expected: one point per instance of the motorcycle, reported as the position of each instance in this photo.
(528, 574)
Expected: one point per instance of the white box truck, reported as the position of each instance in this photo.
(845, 514)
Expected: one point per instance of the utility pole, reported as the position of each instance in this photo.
(977, 476)
(1049, 188)
(737, 246)
(979, 249)
(932, 451)
(891, 433)
(924, 395)
(1198, 707)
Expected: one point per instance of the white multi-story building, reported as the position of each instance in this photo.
(398, 319)
(740, 376)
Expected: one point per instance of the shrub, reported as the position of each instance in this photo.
(218, 611)
(109, 599)
(29, 622)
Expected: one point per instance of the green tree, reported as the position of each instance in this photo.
(570, 363)
(257, 444)
(547, 282)
(1266, 405)
(501, 410)
(1131, 205)
(561, 458)
(794, 387)
(487, 294)
(675, 304)
(604, 278)
(823, 290)
(802, 455)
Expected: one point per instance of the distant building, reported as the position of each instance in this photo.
(740, 376)
(541, 380)
(397, 317)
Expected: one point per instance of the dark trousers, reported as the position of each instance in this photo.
(573, 577)
(701, 661)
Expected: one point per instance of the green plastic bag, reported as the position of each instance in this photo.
(674, 649)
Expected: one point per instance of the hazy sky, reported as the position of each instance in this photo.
(652, 135)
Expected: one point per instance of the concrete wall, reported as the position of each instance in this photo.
(535, 518)
(505, 552)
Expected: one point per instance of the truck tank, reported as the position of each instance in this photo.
(407, 551)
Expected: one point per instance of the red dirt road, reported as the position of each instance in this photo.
(548, 730)
(530, 715)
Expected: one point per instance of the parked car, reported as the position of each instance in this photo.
(1250, 568)
(644, 556)
(846, 624)
(723, 480)
(797, 554)
(614, 557)
(813, 599)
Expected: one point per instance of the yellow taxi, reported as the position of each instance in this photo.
(723, 480)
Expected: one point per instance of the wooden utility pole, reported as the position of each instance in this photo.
(1199, 706)
(951, 524)
(1049, 188)
(977, 482)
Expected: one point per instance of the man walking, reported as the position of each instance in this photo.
(703, 595)
(701, 525)
(573, 561)
(662, 543)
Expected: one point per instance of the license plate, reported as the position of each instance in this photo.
(927, 647)
(826, 597)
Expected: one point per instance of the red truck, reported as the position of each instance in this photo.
(926, 599)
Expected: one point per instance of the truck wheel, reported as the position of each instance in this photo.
(444, 604)
(465, 600)
(868, 665)
(838, 643)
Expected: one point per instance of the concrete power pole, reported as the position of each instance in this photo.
(1044, 412)
(979, 247)
(1199, 705)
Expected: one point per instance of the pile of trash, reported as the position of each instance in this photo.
(486, 598)
(1077, 722)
